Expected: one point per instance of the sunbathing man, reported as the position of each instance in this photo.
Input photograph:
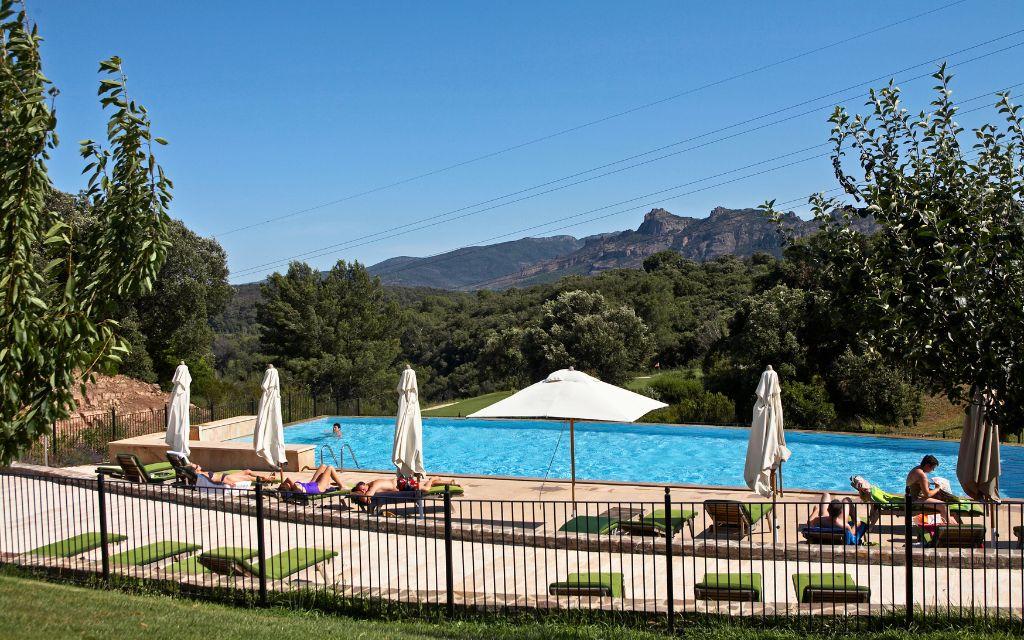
(831, 514)
(324, 478)
(923, 490)
(396, 484)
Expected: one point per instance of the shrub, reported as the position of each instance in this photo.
(675, 389)
(710, 408)
(806, 405)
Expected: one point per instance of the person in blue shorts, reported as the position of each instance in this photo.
(838, 514)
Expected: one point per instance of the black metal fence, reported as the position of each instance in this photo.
(456, 555)
(83, 440)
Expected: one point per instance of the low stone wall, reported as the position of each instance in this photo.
(222, 430)
(214, 455)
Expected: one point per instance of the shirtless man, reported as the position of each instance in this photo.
(924, 490)
(396, 484)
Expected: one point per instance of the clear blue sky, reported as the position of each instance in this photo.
(272, 108)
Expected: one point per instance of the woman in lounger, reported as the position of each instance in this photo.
(324, 478)
(396, 484)
(831, 514)
(236, 479)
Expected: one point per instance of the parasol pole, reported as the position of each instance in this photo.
(775, 511)
(572, 457)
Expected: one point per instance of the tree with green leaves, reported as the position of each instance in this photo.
(940, 286)
(581, 329)
(56, 302)
(336, 332)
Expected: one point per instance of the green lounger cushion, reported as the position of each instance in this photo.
(438, 490)
(732, 582)
(154, 469)
(656, 521)
(188, 566)
(609, 584)
(825, 581)
(757, 511)
(153, 552)
(279, 566)
(590, 524)
(75, 545)
(891, 501)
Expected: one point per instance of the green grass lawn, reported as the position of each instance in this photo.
(462, 408)
(36, 610)
(642, 382)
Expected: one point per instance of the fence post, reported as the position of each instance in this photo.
(213, 415)
(113, 424)
(260, 545)
(315, 412)
(449, 572)
(359, 407)
(668, 562)
(53, 444)
(101, 495)
(908, 534)
(289, 406)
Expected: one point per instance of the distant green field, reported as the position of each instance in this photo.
(462, 408)
(642, 382)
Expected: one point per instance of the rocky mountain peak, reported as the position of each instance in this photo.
(660, 222)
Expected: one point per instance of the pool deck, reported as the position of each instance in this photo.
(508, 544)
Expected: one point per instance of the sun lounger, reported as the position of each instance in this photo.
(192, 565)
(116, 471)
(837, 588)
(135, 471)
(964, 536)
(153, 553)
(75, 545)
(604, 585)
(731, 514)
(656, 524)
(591, 524)
(316, 499)
(824, 535)
(890, 503)
(738, 587)
(438, 490)
(375, 503)
(279, 567)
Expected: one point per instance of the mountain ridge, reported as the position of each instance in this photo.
(738, 232)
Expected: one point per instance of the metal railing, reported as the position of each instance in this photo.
(622, 560)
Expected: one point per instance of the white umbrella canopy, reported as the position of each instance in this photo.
(977, 464)
(178, 411)
(407, 454)
(572, 395)
(268, 437)
(766, 448)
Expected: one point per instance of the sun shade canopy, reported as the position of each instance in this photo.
(570, 394)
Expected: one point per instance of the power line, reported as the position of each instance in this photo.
(476, 245)
(591, 123)
(410, 227)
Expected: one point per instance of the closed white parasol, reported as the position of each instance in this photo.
(977, 464)
(268, 438)
(766, 448)
(177, 411)
(407, 454)
(572, 395)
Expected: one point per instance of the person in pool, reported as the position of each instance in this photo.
(325, 478)
(925, 491)
(337, 430)
(831, 514)
(364, 490)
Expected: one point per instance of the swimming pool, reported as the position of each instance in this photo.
(643, 452)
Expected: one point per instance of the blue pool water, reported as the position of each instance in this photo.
(644, 452)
